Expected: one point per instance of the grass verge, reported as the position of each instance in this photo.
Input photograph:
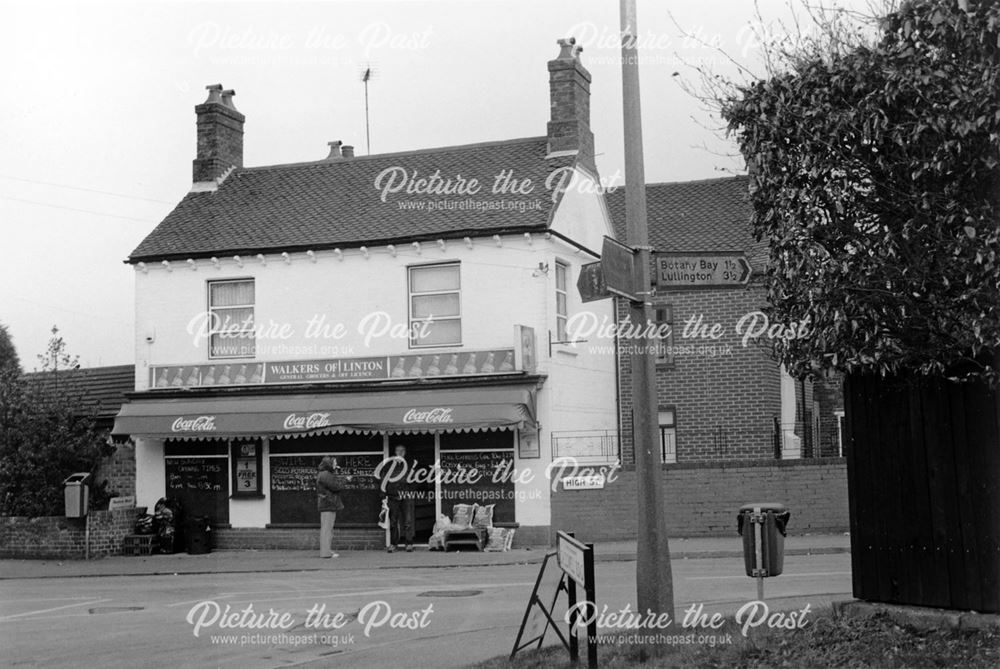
(875, 641)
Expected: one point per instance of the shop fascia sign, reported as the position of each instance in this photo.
(330, 370)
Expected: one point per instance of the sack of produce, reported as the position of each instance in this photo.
(462, 515)
(482, 515)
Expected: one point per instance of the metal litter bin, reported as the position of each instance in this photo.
(76, 495)
(763, 548)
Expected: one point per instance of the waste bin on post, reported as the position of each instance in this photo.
(76, 495)
(198, 535)
(762, 526)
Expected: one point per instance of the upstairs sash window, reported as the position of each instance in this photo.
(231, 322)
(435, 305)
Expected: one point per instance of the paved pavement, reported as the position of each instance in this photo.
(277, 561)
(144, 620)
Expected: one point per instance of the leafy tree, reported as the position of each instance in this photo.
(874, 176)
(46, 434)
(9, 359)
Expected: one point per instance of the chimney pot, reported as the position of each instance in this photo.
(227, 98)
(348, 151)
(567, 48)
(214, 93)
(334, 150)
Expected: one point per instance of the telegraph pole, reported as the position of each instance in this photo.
(654, 581)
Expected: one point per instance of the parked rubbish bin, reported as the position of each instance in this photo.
(772, 519)
(198, 535)
(76, 495)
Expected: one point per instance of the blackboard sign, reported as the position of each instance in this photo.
(202, 486)
(489, 465)
(293, 489)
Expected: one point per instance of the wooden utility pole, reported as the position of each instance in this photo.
(654, 581)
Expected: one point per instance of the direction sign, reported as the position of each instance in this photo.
(618, 267)
(590, 283)
(701, 270)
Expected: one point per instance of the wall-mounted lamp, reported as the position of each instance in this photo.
(541, 270)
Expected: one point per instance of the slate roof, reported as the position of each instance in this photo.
(100, 388)
(705, 215)
(326, 204)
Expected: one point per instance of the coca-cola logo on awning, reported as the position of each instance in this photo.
(197, 424)
(310, 421)
(436, 415)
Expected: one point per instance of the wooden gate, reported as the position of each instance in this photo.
(923, 463)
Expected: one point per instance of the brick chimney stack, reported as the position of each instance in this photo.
(220, 135)
(569, 97)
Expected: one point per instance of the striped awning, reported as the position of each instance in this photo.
(438, 410)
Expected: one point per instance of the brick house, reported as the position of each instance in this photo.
(720, 399)
(734, 427)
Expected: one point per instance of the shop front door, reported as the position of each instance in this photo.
(419, 448)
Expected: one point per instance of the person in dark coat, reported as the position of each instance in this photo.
(328, 487)
(399, 496)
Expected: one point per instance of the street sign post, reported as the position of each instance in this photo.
(653, 576)
(701, 270)
(591, 284)
(618, 265)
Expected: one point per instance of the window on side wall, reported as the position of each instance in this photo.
(663, 317)
(231, 319)
(435, 305)
(562, 301)
(667, 418)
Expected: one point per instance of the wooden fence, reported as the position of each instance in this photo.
(923, 464)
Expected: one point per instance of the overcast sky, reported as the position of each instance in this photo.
(97, 129)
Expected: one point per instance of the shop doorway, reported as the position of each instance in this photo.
(419, 448)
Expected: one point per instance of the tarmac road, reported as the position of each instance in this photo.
(129, 621)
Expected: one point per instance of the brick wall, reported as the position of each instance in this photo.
(703, 499)
(119, 470)
(57, 537)
(725, 403)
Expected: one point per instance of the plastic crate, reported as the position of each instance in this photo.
(140, 544)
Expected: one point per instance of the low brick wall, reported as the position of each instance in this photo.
(702, 499)
(57, 537)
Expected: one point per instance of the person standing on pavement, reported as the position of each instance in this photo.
(399, 496)
(328, 487)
